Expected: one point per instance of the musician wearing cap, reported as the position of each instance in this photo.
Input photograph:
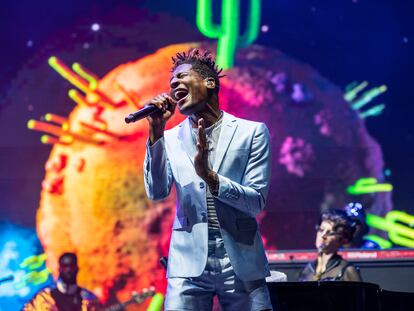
(335, 229)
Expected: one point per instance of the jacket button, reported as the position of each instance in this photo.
(201, 185)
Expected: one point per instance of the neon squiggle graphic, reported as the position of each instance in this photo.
(351, 95)
(398, 224)
(57, 127)
(22, 258)
(87, 75)
(368, 185)
(33, 276)
(383, 243)
(156, 303)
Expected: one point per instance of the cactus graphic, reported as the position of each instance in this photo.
(227, 32)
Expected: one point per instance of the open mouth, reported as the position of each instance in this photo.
(180, 94)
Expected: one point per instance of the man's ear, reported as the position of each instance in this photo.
(210, 83)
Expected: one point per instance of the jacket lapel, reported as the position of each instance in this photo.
(228, 127)
(186, 139)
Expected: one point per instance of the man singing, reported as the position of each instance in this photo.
(221, 168)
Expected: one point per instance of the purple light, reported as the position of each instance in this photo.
(95, 27)
(264, 28)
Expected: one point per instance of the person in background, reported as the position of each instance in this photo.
(67, 295)
(334, 230)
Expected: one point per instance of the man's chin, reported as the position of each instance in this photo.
(69, 281)
(187, 109)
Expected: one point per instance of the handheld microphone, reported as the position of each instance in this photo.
(164, 261)
(142, 113)
(7, 279)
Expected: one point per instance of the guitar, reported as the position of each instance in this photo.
(135, 298)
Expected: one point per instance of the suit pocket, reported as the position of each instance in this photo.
(246, 224)
(238, 150)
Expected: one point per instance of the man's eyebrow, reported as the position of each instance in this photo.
(180, 73)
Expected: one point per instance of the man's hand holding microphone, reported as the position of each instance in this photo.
(158, 111)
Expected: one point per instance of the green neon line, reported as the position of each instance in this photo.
(67, 74)
(401, 217)
(53, 62)
(228, 41)
(392, 223)
(401, 234)
(93, 82)
(352, 91)
(227, 33)
(253, 24)
(204, 19)
(377, 222)
(156, 302)
(372, 112)
(33, 262)
(383, 243)
(369, 189)
(397, 239)
(368, 185)
(351, 86)
(368, 96)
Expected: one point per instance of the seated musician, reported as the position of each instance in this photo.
(334, 230)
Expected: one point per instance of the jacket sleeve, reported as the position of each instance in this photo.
(157, 171)
(352, 274)
(306, 274)
(250, 196)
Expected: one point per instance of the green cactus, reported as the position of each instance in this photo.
(227, 32)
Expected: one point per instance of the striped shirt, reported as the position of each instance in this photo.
(212, 136)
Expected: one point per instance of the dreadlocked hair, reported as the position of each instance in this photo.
(201, 62)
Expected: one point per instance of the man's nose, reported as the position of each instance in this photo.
(174, 83)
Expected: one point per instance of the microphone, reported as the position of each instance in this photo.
(142, 113)
(164, 261)
(7, 279)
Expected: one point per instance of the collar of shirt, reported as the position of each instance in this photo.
(65, 288)
(332, 263)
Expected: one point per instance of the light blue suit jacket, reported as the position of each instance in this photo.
(243, 165)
